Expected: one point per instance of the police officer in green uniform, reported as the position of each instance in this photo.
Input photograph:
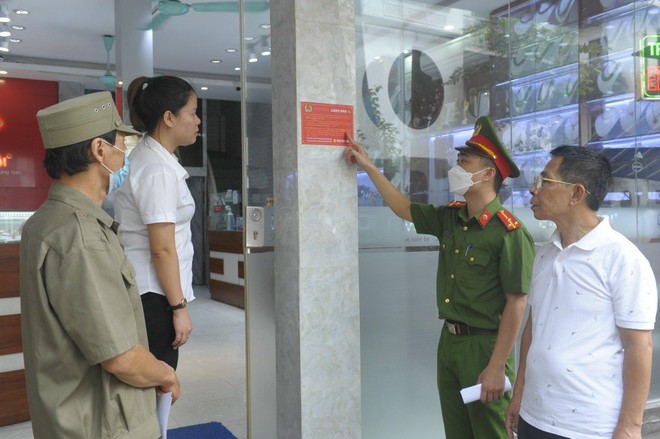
(484, 272)
(89, 372)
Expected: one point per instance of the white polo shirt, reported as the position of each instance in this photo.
(579, 296)
(155, 191)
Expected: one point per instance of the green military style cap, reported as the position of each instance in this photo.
(486, 142)
(79, 119)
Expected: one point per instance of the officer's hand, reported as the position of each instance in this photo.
(492, 384)
(355, 153)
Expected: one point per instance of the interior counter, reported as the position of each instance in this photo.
(226, 267)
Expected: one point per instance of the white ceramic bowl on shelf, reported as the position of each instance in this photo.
(629, 118)
(652, 115)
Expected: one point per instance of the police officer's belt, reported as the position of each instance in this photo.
(463, 329)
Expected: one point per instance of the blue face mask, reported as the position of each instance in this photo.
(116, 178)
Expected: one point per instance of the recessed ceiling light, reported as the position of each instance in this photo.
(248, 38)
(231, 50)
(204, 88)
(17, 27)
(265, 26)
(5, 33)
(238, 69)
(21, 11)
(15, 40)
(4, 19)
(449, 27)
(120, 82)
(215, 61)
(4, 72)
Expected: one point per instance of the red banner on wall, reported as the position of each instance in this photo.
(23, 181)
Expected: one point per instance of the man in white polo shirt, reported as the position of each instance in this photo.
(585, 362)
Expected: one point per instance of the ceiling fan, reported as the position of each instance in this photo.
(109, 80)
(165, 9)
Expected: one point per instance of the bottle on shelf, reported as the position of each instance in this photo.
(231, 225)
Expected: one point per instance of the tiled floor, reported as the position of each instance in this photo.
(211, 370)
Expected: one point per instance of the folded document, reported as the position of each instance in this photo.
(473, 393)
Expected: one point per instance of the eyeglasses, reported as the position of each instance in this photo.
(538, 183)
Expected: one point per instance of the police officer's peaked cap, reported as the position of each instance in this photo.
(486, 142)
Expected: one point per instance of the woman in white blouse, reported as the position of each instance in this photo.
(154, 208)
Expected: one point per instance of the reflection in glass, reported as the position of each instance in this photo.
(415, 89)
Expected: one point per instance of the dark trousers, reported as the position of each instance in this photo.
(527, 431)
(160, 328)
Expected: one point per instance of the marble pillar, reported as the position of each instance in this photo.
(316, 243)
(133, 43)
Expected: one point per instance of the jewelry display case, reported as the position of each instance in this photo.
(542, 86)
(572, 80)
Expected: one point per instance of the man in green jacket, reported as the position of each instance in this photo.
(484, 271)
(89, 372)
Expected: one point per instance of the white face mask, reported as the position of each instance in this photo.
(460, 180)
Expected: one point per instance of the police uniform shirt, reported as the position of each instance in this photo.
(80, 307)
(481, 259)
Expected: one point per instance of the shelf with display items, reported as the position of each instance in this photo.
(617, 116)
(554, 88)
(552, 70)
(543, 34)
(541, 130)
(623, 117)
(615, 35)
(549, 52)
(543, 64)
(529, 17)
(619, 26)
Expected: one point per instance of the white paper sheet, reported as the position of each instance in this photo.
(163, 405)
(473, 393)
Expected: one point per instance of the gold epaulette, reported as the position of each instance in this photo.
(509, 221)
(456, 204)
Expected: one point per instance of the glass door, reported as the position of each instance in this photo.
(548, 73)
(258, 222)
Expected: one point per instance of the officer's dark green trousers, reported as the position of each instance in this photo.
(461, 358)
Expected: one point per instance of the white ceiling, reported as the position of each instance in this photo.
(63, 40)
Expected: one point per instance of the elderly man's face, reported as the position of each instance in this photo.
(551, 196)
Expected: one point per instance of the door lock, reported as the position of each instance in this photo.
(254, 227)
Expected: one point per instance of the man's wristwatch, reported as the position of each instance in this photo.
(179, 305)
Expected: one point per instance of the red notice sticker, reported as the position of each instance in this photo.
(326, 124)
